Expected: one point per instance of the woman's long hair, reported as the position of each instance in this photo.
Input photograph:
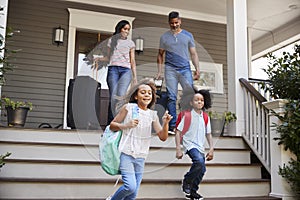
(117, 34)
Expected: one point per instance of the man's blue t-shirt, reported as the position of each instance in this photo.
(177, 48)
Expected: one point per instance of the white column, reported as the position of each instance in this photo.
(279, 187)
(3, 22)
(237, 59)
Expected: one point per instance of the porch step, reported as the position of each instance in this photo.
(64, 164)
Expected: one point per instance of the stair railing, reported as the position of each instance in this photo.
(257, 133)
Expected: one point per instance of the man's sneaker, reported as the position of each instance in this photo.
(194, 196)
(186, 187)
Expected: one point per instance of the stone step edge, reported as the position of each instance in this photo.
(95, 162)
(106, 180)
(96, 145)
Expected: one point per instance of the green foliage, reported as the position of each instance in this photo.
(2, 158)
(226, 115)
(6, 54)
(291, 173)
(7, 102)
(289, 129)
(284, 75)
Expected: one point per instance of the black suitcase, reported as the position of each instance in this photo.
(161, 99)
(83, 109)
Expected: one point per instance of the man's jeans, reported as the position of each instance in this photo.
(118, 80)
(173, 76)
(197, 170)
(132, 173)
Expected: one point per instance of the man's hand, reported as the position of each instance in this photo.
(196, 75)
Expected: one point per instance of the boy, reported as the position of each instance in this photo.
(193, 103)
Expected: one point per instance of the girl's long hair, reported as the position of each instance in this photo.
(132, 93)
(117, 35)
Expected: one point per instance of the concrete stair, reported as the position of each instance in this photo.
(64, 164)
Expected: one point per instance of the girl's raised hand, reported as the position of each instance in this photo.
(167, 117)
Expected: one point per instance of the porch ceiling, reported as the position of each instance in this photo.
(265, 17)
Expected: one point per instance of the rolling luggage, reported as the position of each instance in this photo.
(161, 99)
(83, 108)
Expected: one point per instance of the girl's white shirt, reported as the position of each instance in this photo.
(136, 141)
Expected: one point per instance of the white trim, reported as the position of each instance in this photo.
(91, 21)
(153, 9)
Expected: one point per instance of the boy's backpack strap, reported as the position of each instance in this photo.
(187, 121)
(205, 117)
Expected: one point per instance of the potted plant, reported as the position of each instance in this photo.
(16, 111)
(220, 120)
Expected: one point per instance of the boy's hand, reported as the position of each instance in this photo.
(179, 154)
(210, 155)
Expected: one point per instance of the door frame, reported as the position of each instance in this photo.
(90, 21)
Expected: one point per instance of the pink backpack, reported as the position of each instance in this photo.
(187, 121)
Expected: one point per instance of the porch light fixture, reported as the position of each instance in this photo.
(139, 45)
(58, 36)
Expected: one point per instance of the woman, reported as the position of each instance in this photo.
(122, 66)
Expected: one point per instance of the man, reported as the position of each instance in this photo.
(176, 48)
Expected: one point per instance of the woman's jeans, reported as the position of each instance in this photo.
(173, 76)
(118, 80)
(132, 173)
(197, 170)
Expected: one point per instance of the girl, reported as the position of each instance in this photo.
(122, 66)
(136, 137)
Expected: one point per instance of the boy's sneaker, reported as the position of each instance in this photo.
(171, 131)
(186, 187)
(194, 196)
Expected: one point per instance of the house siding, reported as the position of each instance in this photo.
(41, 66)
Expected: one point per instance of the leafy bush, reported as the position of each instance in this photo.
(2, 158)
(284, 76)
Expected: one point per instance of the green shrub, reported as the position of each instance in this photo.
(284, 76)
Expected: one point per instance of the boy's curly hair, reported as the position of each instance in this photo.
(188, 94)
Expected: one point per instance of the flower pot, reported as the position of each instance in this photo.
(217, 126)
(17, 117)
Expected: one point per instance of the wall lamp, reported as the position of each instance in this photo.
(58, 36)
(139, 45)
